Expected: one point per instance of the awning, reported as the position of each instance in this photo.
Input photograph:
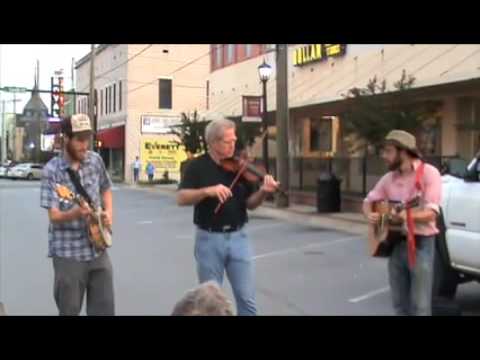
(113, 138)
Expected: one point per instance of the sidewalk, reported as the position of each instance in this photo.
(352, 223)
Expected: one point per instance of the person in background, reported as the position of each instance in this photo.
(137, 165)
(150, 171)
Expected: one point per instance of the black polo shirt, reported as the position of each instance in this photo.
(203, 172)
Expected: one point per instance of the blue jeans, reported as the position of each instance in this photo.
(136, 172)
(412, 289)
(216, 253)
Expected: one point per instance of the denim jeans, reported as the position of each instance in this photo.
(412, 288)
(217, 253)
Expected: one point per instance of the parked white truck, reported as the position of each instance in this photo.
(458, 245)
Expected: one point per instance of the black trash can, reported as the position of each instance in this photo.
(328, 193)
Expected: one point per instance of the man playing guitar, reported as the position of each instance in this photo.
(410, 264)
(79, 266)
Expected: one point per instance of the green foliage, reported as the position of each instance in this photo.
(191, 132)
(370, 115)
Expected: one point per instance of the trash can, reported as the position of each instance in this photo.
(328, 193)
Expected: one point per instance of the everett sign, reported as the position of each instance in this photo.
(317, 52)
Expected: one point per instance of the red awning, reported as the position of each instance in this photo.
(113, 138)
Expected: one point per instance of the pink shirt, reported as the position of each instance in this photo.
(395, 186)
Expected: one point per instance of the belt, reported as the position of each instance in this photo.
(221, 229)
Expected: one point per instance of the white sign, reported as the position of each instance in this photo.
(158, 124)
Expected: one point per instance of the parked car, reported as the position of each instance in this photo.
(458, 259)
(5, 168)
(26, 171)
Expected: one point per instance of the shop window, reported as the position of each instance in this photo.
(120, 96)
(321, 134)
(165, 93)
(101, 102)
(114, 97)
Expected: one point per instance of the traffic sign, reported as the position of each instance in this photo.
(14, 89)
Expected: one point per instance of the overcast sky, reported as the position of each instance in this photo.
(17, 68)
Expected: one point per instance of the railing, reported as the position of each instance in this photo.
(358, 174)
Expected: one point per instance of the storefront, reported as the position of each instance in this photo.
(112, 150)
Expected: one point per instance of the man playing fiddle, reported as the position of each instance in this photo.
(221, 242)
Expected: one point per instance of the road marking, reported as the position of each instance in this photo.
(299, 249)
(144, 222)
(370, 295)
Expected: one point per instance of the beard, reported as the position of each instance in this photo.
(395, 165)
(74, 155)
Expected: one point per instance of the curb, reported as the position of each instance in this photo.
(288, 215)
(2, 310)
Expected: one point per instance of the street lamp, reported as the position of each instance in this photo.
(264, 72)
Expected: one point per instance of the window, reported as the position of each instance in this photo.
(230, 53)
(248, 50)
(114, 97)
(165, 93)
(208, 94)
(106, 100)
(101, 102)
(321, 134)
(120, 96)
(109, 99)
(218, 55)
(95, 94)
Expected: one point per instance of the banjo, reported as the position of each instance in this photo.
(100, 236)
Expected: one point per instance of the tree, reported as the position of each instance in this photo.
(373, 112)
(191, 132)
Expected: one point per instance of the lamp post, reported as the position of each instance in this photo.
(264, 72)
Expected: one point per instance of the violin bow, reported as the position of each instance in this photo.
(235, 180)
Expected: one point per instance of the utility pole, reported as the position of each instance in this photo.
(91, 100)
(282, 122)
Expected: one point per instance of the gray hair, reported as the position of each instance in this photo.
(214, 130)
(206, 299)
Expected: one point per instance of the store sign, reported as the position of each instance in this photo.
(158, 124)
(164, 154)
(252, 108)
(317, 52)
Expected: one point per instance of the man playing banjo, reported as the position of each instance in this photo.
(79, 266)
(410, 265)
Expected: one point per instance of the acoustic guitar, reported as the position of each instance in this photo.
(382, 236)
(99, 235)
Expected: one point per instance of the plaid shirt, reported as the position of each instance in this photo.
(70, 239)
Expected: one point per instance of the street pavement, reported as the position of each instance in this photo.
(301, 269)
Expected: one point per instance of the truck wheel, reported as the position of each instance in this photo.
(445, 279)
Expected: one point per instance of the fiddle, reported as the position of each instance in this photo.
(246, 170)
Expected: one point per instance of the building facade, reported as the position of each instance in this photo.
(140, 91)
(319, 77)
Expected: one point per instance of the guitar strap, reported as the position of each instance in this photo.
(411, 246)
(78, 186)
